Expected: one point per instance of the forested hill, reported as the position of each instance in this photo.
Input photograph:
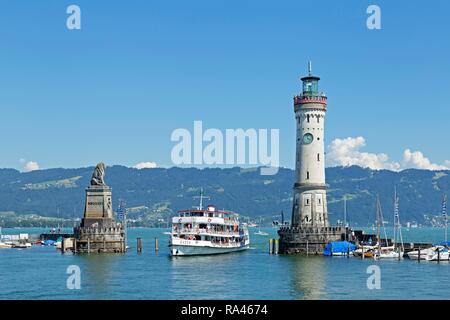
(156, 193)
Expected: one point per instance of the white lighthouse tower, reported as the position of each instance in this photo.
(310, 201)
(310, 230)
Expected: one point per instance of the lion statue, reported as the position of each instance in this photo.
(99, 175)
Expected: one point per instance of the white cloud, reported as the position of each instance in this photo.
(30, 166)
(417, 160)
(345, 152)
(145, 165)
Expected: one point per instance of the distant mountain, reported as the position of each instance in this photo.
(152, 195)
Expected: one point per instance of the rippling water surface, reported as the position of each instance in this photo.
(40, 273)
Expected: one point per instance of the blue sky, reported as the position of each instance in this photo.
(137, 70)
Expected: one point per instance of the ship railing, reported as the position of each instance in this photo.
(208, 231)
(229, 244)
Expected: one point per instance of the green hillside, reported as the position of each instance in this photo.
(152, 195)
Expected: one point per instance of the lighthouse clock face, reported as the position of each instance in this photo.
(308, 138)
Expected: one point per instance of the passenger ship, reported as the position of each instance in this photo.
(207, 231)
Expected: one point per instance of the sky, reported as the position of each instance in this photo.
(137, 70)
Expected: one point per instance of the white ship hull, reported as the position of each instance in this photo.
(184, 250)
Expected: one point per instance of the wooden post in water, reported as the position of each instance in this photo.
(307, 247)
(362, 255)
(62, 246)
(418, 257)
(139, 245)
(104, 244)
(74, 245)
(439, 255)
(270, 246)
(156, 245)
(275, 246)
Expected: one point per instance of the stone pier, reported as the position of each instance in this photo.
(99, 232)
(310, 240)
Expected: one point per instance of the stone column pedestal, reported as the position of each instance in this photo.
(98, 231)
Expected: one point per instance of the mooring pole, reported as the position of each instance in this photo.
(270, 246)
(362, 255)
(156, 245)
(275, 246)
(307, 247)
(418, 258)
(139, 245)
(439, 255)
(62, 246)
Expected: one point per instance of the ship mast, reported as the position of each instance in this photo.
(200, 207)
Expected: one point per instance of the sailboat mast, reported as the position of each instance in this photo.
(395, 216)
(345, 216)
(397, 219)
(444, 213)
(378, 222)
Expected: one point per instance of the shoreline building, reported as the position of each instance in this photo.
(310, 229)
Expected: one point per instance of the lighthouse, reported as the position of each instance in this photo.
(310, 229)
(309, 198)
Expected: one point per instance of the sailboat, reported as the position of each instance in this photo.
(439, 251)
(259, 232)
(395, 251)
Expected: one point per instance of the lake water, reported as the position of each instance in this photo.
(40, 273)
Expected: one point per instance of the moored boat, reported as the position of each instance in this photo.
(4, 245)
(261, 233)
(397, 250)
(339, 248)
(438, 253)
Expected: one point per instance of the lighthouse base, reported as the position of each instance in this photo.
(310, 240)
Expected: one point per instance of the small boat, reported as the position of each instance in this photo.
(22, 245)
(4, 245)
(388, 253)
(339, 248)
(358, 252)
(261, 233)
(439, 253)
(48, 243)
(369, 254)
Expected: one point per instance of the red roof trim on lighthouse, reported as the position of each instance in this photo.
(304, 100)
